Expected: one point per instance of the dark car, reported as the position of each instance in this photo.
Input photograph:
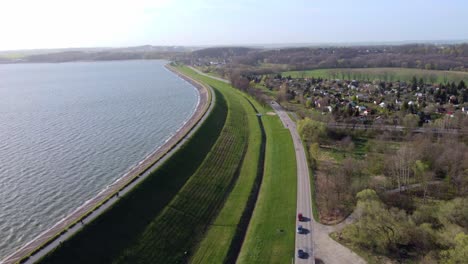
(300, 217)
(301, 253)
(300, 229)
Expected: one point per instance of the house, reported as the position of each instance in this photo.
(465, 110)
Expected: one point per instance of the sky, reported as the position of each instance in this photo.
(33, 24)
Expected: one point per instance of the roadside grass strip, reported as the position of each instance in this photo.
(270, 237)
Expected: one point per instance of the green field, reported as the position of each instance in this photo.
(383, 74)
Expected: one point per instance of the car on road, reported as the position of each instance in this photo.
(300, 217)
(301, 253)
(300, 229)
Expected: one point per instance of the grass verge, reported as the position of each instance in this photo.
(271, 232)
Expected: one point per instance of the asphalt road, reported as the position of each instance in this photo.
(304, 241)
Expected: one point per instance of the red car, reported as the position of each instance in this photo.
(300, 217)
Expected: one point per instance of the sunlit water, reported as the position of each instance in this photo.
(68, 130)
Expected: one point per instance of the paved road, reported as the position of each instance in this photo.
(304, 241)
(111, 193)
(207, 75)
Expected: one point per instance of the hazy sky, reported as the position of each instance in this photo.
(28, 24)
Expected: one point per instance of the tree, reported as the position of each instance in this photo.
(314, 155)
(457, 254)
(461, 85)
(283, 93)
(400, 166)
(423, 175)
(311, 131)
(421, 83)
(410, 122)
(414, 83)
(377, 229)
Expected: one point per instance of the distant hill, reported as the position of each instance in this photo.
(93, 54)
(222, 52)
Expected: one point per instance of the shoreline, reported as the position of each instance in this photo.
(92, 208)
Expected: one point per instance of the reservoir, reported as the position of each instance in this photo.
(69, 129)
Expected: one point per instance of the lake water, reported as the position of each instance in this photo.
(67, 130)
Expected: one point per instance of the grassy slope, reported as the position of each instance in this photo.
(271, 232)
(183, 223)
(120, 226)
(275, 209)
(215, 245)
(404, 74)
(217, 242)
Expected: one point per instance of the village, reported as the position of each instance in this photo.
(371, 102)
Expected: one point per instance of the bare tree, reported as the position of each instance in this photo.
(400, 166)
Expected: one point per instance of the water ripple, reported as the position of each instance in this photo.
(70, 129)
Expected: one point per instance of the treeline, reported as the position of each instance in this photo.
(243, 83)
(421, 56)
(96, 56)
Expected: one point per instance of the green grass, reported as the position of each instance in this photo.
(171, 237)
(388, 74)
(315, 211)
(224, 233)
(215, 246)
(271, 232)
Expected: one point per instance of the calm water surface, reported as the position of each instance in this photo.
(67, 130)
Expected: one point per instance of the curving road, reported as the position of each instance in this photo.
(304, 241)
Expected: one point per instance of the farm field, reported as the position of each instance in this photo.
(383, 74)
